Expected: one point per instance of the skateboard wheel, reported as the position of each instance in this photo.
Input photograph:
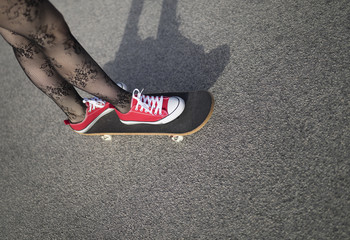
(107, 137)
(177, 138)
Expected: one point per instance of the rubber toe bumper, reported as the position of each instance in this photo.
(176, 106)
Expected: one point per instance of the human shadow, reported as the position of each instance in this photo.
(169, 62)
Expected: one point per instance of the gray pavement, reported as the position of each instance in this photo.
(272, 163)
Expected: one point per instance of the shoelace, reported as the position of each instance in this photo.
(94, 103)
(150, 104)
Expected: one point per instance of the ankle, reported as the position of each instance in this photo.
(123, 108)
(76, 119)
(123, 103)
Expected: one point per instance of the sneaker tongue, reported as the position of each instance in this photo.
(133, 102)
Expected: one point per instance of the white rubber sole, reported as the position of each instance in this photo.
(123, 86)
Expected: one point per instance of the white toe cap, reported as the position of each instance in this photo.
(176, 105)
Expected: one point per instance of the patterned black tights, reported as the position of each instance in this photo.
(53, 59)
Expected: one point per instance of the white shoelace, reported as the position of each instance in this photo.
(94, 103)
(150, 104)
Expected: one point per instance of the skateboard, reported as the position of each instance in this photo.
(199, 107)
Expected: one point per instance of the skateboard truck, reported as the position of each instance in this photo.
(175, 138)
(106, 137)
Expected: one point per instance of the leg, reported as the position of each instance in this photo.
(40, 22)
(40, 71)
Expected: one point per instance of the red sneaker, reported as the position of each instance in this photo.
(147, 109)
(96, 108)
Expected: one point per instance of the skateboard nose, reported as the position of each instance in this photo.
(176, 104)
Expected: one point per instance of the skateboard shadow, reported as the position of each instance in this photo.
(169, 62)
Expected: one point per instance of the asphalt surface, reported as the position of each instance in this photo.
(272, 163)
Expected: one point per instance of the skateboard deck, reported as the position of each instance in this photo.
(198, 110)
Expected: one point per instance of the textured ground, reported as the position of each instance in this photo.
(272, 163)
